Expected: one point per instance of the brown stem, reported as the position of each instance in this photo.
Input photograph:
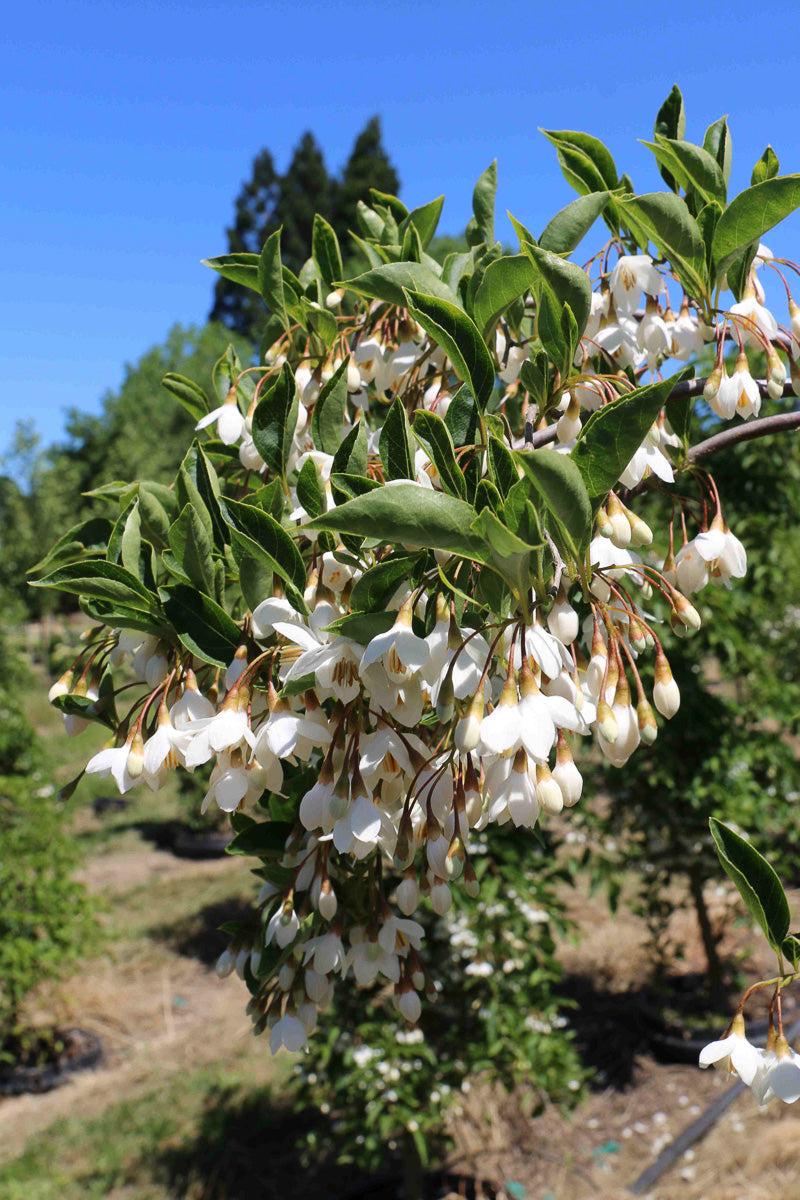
(715, 981)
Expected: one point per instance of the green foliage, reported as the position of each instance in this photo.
(495, 1016)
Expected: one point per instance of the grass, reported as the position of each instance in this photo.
(175, 1140)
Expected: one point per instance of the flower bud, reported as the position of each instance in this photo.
(606, 721)
(136, 756)
(776, 375)
(327, 901)
(468, 730)
(687, 612)
(334, 298)
(666, 693)
(316, 985)
(441, 897)
(471, 885)
(794, 317)
(620, 525)
(641, 533)
(407, 894)
(225, 963)
(61, 687)
(604, 526)
(548, 793)
(307, 1016)
(794, 369)
(410, 1005)
(648, 729)
(566, 774)
(562, 621)
(286, 977)
(712, 384)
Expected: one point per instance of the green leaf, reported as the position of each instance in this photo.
(310, 491)
(393, 203)
(394, 444)
(766, 168)
(191, 547)
(376, 586)
(263, 839)
(692, 166)
(560, 485)
(239, 268)
(503, 281)
(425, 220)
(270, 276)
(501, 466)
(345, 486)
(461, 417)
(102, 580)
(503, 542)
(197, 484)
(327, 419)
(751, 214)
(569, 226)
(665, 220)
(131, 541)
(351, 457)
(613, 434)
(456, 333)
(483, 199)
(362, 626)
(155, 517)
(390, 282)
(671, 123)
(260, 535)
(434, 437)
(572, 147)
(322, 322)
(568, 282)
(88, 537)
(717, 141)
(187, 393)
(409, 514)
(255, 579)
(201, 624)
(325, 251)
(275, 420)
(91, 710)
(758, 885)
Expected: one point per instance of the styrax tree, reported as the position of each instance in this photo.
(402, 580)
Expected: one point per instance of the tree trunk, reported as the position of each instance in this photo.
(713, 961)
(412, 1169)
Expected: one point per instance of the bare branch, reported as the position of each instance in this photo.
(745, 433)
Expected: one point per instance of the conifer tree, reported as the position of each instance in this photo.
(367, 167)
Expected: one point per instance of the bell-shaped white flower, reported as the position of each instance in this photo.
(755, 319)
(230, 422)
(745, 390)
(399, 649)
(632, 275)
(288, 1032)
(733, 1052)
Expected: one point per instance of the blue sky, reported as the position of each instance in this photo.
(129, 128)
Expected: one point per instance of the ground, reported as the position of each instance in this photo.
(188, 1104)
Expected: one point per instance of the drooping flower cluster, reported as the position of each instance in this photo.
(386, 620)
(771, 1072)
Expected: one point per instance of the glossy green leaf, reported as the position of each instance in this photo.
(375, 587)
(409, 514)
(239, 268)
(458, 336)
(394, 444)
(351, 457)
(613, 434)
(571, 224)
(434, 437)
(665, 220)
(87, 538)
(767, 167)
(671, 123)
(692, 167)
(310, 491)
(425, 220)
(503, 281)
(751, 214)
(270, 276)
(191, 547)
(560, 485)
(483, 199)
(197, 484)
(573, 144)
(202, 626)
(102, 580)
(717, 141)
(188, 393)
(502, 467)
(461, 417)
(325, 251)
(758, 885)
(275, 421)
(567, 281)
(260, 535)
(389, 283)
(262, 839)
(327, 420)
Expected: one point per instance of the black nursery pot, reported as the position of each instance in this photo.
(435, 1186)
(201, 843)
(81, 1051)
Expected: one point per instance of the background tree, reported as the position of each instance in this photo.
(268, 201)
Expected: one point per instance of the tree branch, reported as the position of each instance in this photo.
(745, 433)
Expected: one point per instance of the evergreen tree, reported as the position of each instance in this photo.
(268, 201)
(367, 167)
(254, 219)
(306, 188)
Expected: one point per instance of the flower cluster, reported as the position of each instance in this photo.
(771, 1073)
(386, 601)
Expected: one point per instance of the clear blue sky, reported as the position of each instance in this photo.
(129, 127)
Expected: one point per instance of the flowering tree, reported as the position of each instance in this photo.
(404, 578)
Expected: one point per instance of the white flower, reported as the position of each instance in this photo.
(633, 274)
(288, 1032)
(166, 745)
(715, 554)
(755, 319)
(401, 652)
(649, 458)
(230, 422)
(734, 1052)
(192, 705)
(122, 763)
(334, 664)
(270, 611)
(283, 926)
